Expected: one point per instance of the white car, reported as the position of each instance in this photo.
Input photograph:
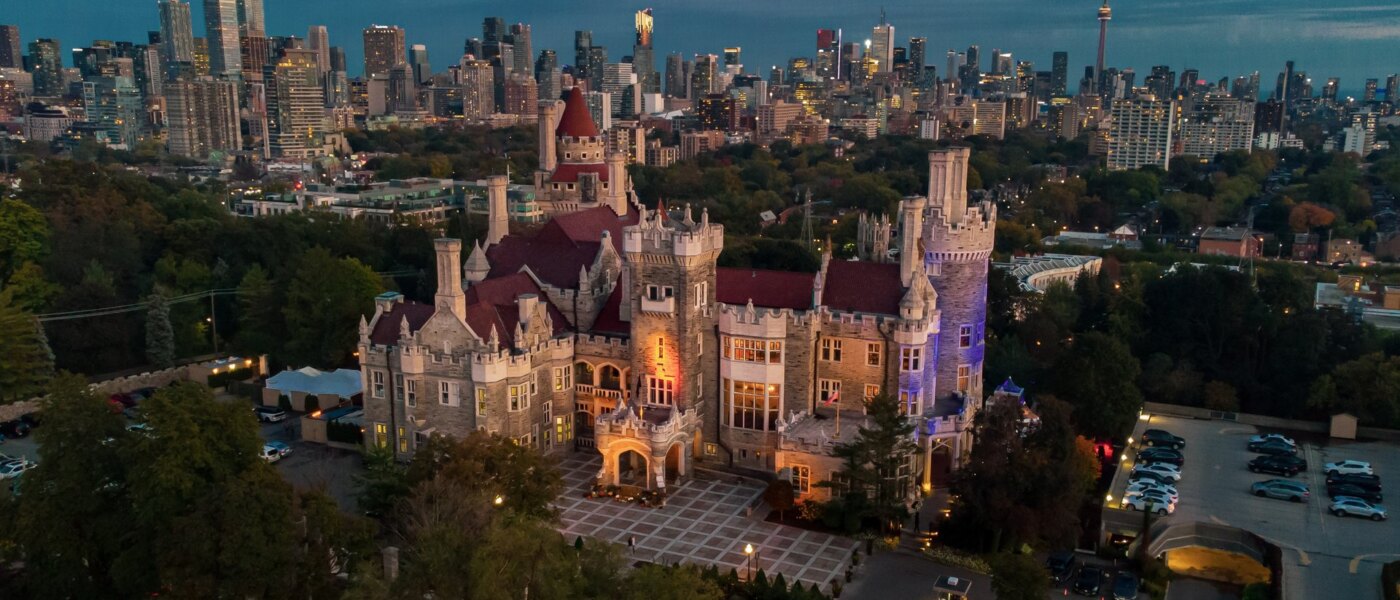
(1270, 437)
(1149, 504)
(1138, 488)
(1348, 467)
(1161, 469)
(274, 451)
(14, 468)
(1169, 498)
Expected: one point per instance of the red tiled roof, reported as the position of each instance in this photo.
(772, 289)
(492, 303)
(386, 329)
(556, 252)
(609, 320)
(863, 287)
(576, 121)
(569, 172)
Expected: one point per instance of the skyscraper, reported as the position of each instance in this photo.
(1141, 134)
(201, 58)
(703, 75)
(1392, 88)
(583, 41)
(295, 103)
(522, 61)
(493, 30)
(918, 59)
(675, 79)
(734, 59)
(1059, 74)
(1329, 90)
(643, 59)
(1217, 123)
(1369, 93)
(10, 53)
(177, 36)
(597, 57)
(1105, 15)
(250, 19)
(338, 59)
(202, 117)
(478, 89)
(882, 45)
(47, 64)
(318, 41)
(384, 48)
(828, 52)
(221, 33)
(418, 62)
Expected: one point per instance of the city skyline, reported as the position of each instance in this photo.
(1218, 39)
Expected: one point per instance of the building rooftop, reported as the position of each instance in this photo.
(341, 382)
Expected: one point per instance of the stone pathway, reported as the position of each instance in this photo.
(703, 523)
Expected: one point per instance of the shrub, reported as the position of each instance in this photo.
(953, 558)
(313, 403)
(345, 433)
(284, 402)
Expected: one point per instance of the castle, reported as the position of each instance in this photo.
(612, 330)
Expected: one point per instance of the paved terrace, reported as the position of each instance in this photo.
(703, 523)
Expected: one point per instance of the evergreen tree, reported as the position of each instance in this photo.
(28, 362)
(875, 478)
(160, 336)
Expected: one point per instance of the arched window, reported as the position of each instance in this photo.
(583, 373)
(610, 378)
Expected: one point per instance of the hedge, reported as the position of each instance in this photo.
(345, 433)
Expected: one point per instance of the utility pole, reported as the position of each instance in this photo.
(808, 237)
(213, 323)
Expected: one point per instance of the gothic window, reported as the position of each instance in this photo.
(377, 378)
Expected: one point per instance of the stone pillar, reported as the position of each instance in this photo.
(912, 226)
(449, 275)
(615, 196)
(549, 158)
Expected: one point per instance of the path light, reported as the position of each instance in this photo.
(499, 500)
(748, 552)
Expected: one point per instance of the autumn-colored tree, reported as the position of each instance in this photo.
(1307, 216)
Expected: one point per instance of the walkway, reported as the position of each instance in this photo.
(702, 523)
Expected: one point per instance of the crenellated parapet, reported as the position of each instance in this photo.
(660, 239)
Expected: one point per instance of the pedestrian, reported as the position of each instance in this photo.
(632, 544)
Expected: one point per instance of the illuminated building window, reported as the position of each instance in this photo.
(749, 405)
(661, 390)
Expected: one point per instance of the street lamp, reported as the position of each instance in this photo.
(748, 552)
(499, 500)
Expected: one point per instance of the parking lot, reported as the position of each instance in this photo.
(1324, 556)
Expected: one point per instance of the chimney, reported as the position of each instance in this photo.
(496, 208)
(549, 118)
(911, 229)
(525, 305)
(947, 181)
(450, 296)
(616, 194)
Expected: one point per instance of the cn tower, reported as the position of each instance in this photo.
(1105, 15)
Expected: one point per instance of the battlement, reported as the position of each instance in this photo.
(968, 235)
(659, 234)
(588, 339)
(751, 315)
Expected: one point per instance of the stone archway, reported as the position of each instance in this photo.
(633, 468)
(675, 463)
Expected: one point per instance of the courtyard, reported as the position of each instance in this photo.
(705, 521)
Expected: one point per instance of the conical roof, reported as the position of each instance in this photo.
(576, 121)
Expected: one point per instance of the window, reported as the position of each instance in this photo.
(534, 388)
(831, 350)
(403, 440)
(411, 395)
(447, 393)
(751, 350)
(873, 354)
(910, 359)
(381, 435)
(660, 348)
(702, 293)
(748, 405)
(660, 390)
(377, 378)
(563, 428)
(657, 293)
(829, 390)
(964, 378)
(965, 336)
(519, 397)
(480, 401)
(802, 479)
(398, 386)
(871, 390)
(699, 343)
(563, 378)
(711, 449)
(909, 402)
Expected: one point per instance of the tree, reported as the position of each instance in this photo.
(260, 323)
(875, 479)
(160, 336)
(1018, 577)
(524, 558)
(496, 466)
(1307, 216)
(1219, 395)
(24, 236)
(28, 362)
(686, 582)
(1099, 375)
(326, 297)
(779, 496)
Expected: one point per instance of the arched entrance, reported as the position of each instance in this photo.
(675, 463)
(632, 469)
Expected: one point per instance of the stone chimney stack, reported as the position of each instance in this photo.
(549, 119)
(947, 181)
(616, 195)
(525, 305)
(499, 218)
(911, 227)
(450, 296)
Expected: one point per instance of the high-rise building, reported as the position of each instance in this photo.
(882, 45)
(1217, 123)
(643, 57)
(1003, 63)
(675, 75)
(177, 37)
(547, 75)
(250, 18)
(296, 105)
(597, 57)
(828, 53)
(523, 55)
(318, 41)
(1369, 93)
(493, 30)
(221, 33)
(1392, 88)
(1059, 74)
(478, 89)
(620, 82)
(10, 53)
(46, 63)
(703, 76)
(583, 43)
(418, 63)
(202, 67)
(384, 48)
(918, 57)
(202, 117)
(1141, 133)
(114, 109)
(1331, 88)
(734, 60)
(522, 95)
(338, 59)
(1105, 14)
(402, 90)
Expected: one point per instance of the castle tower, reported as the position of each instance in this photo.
(615, 191)
(450, 296)
(957, 245)
(498, 225)
(549, 119)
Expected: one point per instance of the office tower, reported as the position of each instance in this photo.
(1369, 94)
(1141, 133)
(177, 36)
(10, 55)
(776, 76)
(493, 30)
(1392, 87)
(338, 59)
(47, 66)
(1330, 89)
(620, 82)
(734, 60)
(402, 90)
(318, 41)
(296, 105)
(828, 48)
(703, 76)
(202, 67)
(583, 43)
(478, 89)
(523, 54)
(1217, 123)
(114, 109)
(384, 48)
(1105, 15)
(522, 95)
(250, 18)
(418, 63)
(221, 34)
(675, 75)
(1059, 74)
(882, 45)
(850, 59)
(547, 75)
(337, 86)
(1002, 63)
(974, 58)
(202, 117)
(597, 57)
(643, 57)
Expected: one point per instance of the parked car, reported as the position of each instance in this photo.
(1285, 465)
(1155, 495)
(1061, 566)
(1163, 438)
(1161, 455)
(269, 414)
(1170, 472)
(1370, 482)
(1089, 581)
(274, 451)
(14, 429)
(14, 468)
(1158, 504)
(1355, 491)
(1138, 476)
(1347, 506)
(1148, 484)
(1273, 447)
(1349, 467)
(1282, 489)
(1125, 586)
(1272, 437)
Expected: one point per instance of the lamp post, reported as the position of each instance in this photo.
(748, 552)
(499, 500)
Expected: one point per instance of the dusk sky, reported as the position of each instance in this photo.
(1351, 39)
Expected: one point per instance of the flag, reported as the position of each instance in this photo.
(832, 397)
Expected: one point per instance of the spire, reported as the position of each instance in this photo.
(364, 329)
(404, 331)
(477, 266)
